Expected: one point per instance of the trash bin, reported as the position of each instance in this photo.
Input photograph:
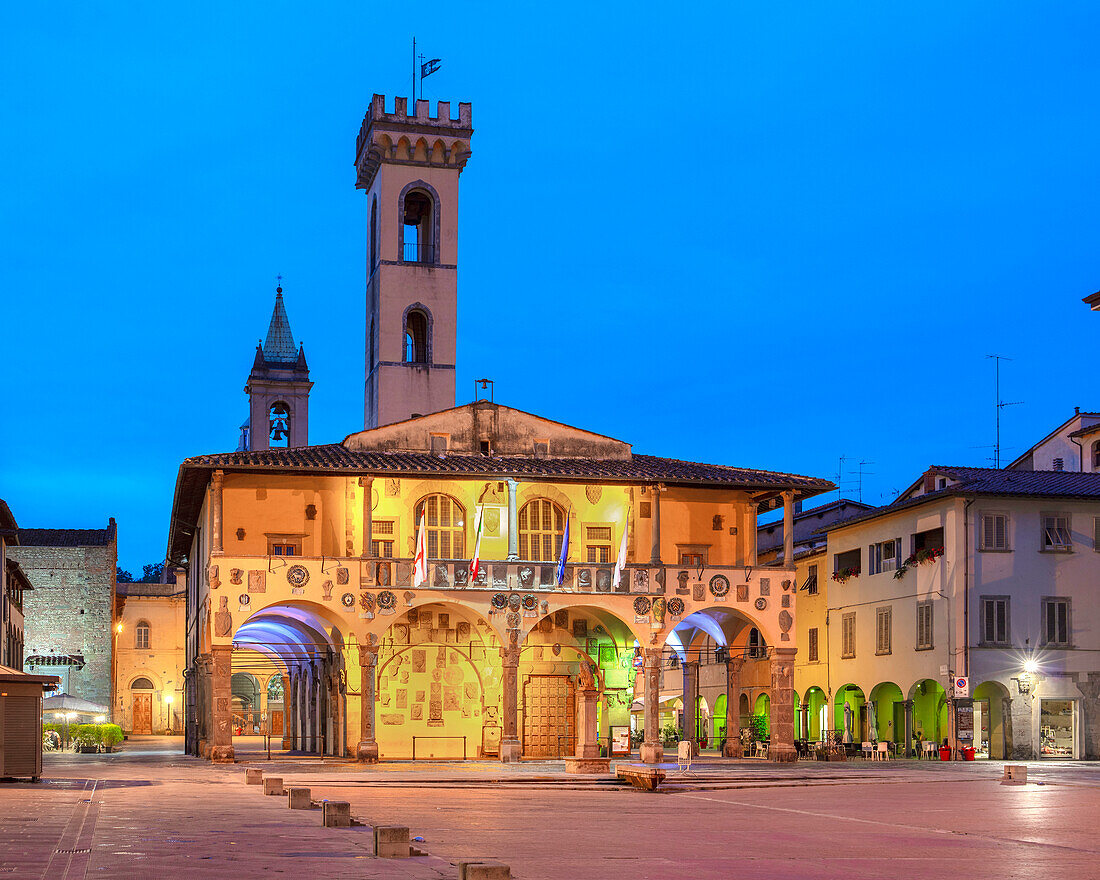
(968, 753)
(945, 753)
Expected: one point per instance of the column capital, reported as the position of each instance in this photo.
(652, 658)
(509, 656)
(368, 653)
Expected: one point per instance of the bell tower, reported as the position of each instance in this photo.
(277, 389)
(409, 165)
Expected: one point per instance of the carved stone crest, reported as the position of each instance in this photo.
(593, 494)
(341, 576)
(236, 576)
(742, 592)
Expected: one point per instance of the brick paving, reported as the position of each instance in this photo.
(150, 812)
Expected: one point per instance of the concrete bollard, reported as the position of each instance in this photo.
(336, 814)
(1015, 773)
(484, 870)
(298, 799)
(253, 776)
(391, 841)
(274, 785)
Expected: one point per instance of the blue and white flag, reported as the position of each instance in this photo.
(564, 552)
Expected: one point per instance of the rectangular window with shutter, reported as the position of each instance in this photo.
(1096, 533)
(994, 621)
(811, 579)
(993, 531)
(883, 618)
(1056, 535)
(924, 626)
(597, 543)
(1056, 621)
(848, 636)
(884, 556)
(813, 644)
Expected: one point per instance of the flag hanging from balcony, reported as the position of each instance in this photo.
(564, 552)
(420, 564)
(475, 563)
(620, 563)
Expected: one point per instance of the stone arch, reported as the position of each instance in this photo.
(993, 734)
(143, 681)
(853, 696)
(433, 242)
(418, 308)
(886, 715)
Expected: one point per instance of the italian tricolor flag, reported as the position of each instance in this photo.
(475, 563)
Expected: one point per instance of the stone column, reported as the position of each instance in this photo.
(510, 747)
(655, 552)
(782, 706)
(367, 750)
(216, 481)
(367, 486)
(651, 751)
(513, 523)
(788, 529)
(221, 733)
(286, 744)
(908, 705)
(688, 697)
(202, 707)
(587, 746)
(733, 707)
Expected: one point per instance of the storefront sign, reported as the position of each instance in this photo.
(964, 714)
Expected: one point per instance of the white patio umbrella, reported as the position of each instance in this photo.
(68, 703)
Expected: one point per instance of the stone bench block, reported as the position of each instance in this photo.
(336, 814)
(484, 870)
(253, 776)
(1016, 773)
(299, 799)
(391, 841)
(274, 785)
(642, 778)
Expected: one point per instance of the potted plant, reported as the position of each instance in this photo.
(110, 735)
(845, 574)
(85, 738)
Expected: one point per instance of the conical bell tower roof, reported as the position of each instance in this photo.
(279, 347)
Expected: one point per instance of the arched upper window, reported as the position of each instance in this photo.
(418, 227)
(445, 520)
(141, 634)
(279, 425)
(416, 337)
(141, 684)
(541, 527)
(373, 237)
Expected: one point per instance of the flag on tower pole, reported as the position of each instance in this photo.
(620, 563)
(475, 563)
(564, 552)
(420, 564)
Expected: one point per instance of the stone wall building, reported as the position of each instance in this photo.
(149, 657)
(70, 609)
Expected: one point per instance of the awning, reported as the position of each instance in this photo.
(69, 703)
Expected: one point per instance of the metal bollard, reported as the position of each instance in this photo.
(484, 870)
(274, 785)
(391, 841)
(298, 799)
(336, 814)
(253, 776)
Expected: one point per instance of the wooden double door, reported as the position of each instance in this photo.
(549, 716)
(142, 722)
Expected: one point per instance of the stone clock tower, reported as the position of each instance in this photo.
(409, 167)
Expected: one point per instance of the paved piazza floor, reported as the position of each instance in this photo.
(151, 812)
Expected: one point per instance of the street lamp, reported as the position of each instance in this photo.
(168, 702)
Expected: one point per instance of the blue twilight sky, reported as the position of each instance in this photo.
(761, 234)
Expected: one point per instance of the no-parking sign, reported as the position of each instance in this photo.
(962, 686)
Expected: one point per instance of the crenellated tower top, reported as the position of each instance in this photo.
(411, 139)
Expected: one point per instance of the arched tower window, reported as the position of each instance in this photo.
(445, 521)
(418, 224)
(541, 527)
(373, 237)
(278, 421)
(416, 337)
(141, 635)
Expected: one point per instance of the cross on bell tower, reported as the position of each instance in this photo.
(409, 165)
(278, 388)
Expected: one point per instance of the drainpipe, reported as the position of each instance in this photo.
(966, 586)
(1080, 454)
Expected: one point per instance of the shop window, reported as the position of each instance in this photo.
(445, 522)
(883, 627)
(1056, 535)
(1056, 622)
(141, 635)
(1056, 729)
(541, 530)
(994, 532)
(924, 626)
(995, 620)
(848, 636)
(884, 556)
(812, 644)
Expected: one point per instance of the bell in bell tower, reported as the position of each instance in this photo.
(409, 166)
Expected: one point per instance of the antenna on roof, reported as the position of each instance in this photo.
(999, 404)
(861, 473)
